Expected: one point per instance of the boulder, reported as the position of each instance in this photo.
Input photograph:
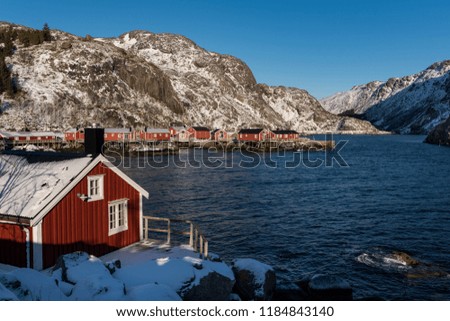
(254, 280)
(211, 287)
(6, 295)
(329, 288)
(405, 258)
(90, 278)
(31, 285)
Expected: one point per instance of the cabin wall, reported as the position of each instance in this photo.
(77, 225)
(13, 249)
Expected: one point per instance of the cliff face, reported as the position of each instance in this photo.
(440, 135)
(409, 105)
(147, 79)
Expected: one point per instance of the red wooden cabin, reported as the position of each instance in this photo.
(58, 204)
(199, 133)
(285, 134)
(119, 135)
(31, 136)
(179, 134)
(254, 135)
(220, 135)
(74, 135)
(155, 134)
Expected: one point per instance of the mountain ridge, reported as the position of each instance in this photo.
(412, 104)
(142, 79)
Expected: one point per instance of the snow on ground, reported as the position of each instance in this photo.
(145, 273)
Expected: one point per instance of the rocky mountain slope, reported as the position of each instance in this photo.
(409, 105)
(440, 135)
(147, 79)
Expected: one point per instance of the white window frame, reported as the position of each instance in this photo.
(100, 195)
(114, 208)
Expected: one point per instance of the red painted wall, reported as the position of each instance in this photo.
(156, 136)
(76, 225)
(217, 135)
(13, 245)
(199, 134)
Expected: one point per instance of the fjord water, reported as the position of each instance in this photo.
(394, 195)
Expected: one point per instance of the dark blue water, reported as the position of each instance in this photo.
(394, 195)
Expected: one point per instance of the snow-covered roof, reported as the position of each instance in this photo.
(27, 186)
(179, 129)
(158, 130)
(32, 184)
(117, 130)
(8, 134)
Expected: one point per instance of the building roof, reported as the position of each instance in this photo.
(200, 129)
(32, 184)
(157, 130)
(284, 131)
(117, 130)
(250, 130)
(7, 134)
(178, 128)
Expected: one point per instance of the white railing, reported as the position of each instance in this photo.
(196, 239)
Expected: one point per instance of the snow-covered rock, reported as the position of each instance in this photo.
(98, 287)
(411, 104)
(143, 78)
(90, 278)
(323, 287)
(254, 280)
(6, 295)
(31, 285)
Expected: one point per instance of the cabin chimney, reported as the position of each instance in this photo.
(93, 141)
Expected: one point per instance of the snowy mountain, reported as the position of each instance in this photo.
(147, 79)
(411, 104)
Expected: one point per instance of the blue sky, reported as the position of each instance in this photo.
(321, 46)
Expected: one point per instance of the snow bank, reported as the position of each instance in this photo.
(31, 285)
(152, 292)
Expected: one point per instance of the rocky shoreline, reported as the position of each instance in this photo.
(164, 273)
(173, 274)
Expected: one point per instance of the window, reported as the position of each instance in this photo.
(118, 216)
(95, 188)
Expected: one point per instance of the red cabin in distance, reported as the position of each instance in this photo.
(179, 134)
(119, 135)
(220, 135)
(74, 135)
(58, 204)
(155, 134)
(199, 133)
(285, 134)
(254, 135)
